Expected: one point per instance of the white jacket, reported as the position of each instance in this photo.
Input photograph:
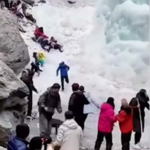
(69, 135)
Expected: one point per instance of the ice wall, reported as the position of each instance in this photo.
(127, 35)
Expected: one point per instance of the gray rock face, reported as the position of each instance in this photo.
(13, 102)
(13, 50)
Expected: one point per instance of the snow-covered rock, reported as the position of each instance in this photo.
(13, 50)
(13, 102)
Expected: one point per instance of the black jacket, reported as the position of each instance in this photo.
(77, 102)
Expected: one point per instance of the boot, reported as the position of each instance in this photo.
(109, 147)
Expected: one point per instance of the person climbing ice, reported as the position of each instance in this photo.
(63, 68)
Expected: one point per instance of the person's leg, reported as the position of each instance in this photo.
(29, 113)
(108, 137)
(137, 137)
(125, 140)
(43, 122)
(49, 124)
(99, 140)
(67, 79)
(62, 82)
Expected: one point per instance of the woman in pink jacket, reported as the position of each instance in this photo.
(106, 122)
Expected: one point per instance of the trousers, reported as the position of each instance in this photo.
(100, 137)
(64, 78)
(125, 140)
(45, 125)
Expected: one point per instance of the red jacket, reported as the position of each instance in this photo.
(37, 32)
(125, 121)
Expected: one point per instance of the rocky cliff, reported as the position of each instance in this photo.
(13, 50)
(13, 92)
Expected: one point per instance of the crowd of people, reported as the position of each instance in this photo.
(131, 116)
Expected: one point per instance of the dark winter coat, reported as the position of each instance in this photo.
(143, 101)
(136, 115)
(63, 69)
(77, 102)
(16, 143)
(29, 83)
(50, 99)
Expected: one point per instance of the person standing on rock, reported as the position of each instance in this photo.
(69, 135)
(63, 68)
(19, 142)
(27, 78)
(76, 105)
(48, 102)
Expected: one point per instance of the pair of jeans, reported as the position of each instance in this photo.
(64, 78)
(125, 140)
(100, 137)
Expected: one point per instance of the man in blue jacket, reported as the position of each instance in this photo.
(19, 142)
(63, 68)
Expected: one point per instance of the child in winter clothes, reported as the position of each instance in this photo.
(35, 67)
(126, 124)
(105, 126)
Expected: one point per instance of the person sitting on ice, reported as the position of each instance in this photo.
(53, 44)
(19, 142)
(35, 67)
(39, 34)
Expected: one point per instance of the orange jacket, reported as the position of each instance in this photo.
(125, 121)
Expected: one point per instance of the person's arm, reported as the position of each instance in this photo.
(147, 105)
(58, 70)
(34, 89)
(112, 117)
(86, 102)
(71, 102)
(60, 136)
(59, 108)
(121, 117)
(68, 68)
(41, 102)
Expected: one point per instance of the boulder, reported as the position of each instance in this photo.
(13, 102)
(13, 50)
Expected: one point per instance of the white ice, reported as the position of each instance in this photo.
(117, 69)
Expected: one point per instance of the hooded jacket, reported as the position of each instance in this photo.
(69, 135)
(63, 68)
(106, 119)
(16, 143)
(50, 99)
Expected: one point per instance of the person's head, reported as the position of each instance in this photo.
(81, 88)
(18, 2)
(62, 63)
(41, 29)
(75, 87)
(110, 101)
(124, 103)
(56, 87)
(69, 115)
(36, 143)
(143, 92)
(52, 38)
(34, 54)
(22, 131)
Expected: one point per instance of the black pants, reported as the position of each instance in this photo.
(29, 112)
(100, 137)
(125, 140)
(137, 137)
(62, 81)
(80, 119)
